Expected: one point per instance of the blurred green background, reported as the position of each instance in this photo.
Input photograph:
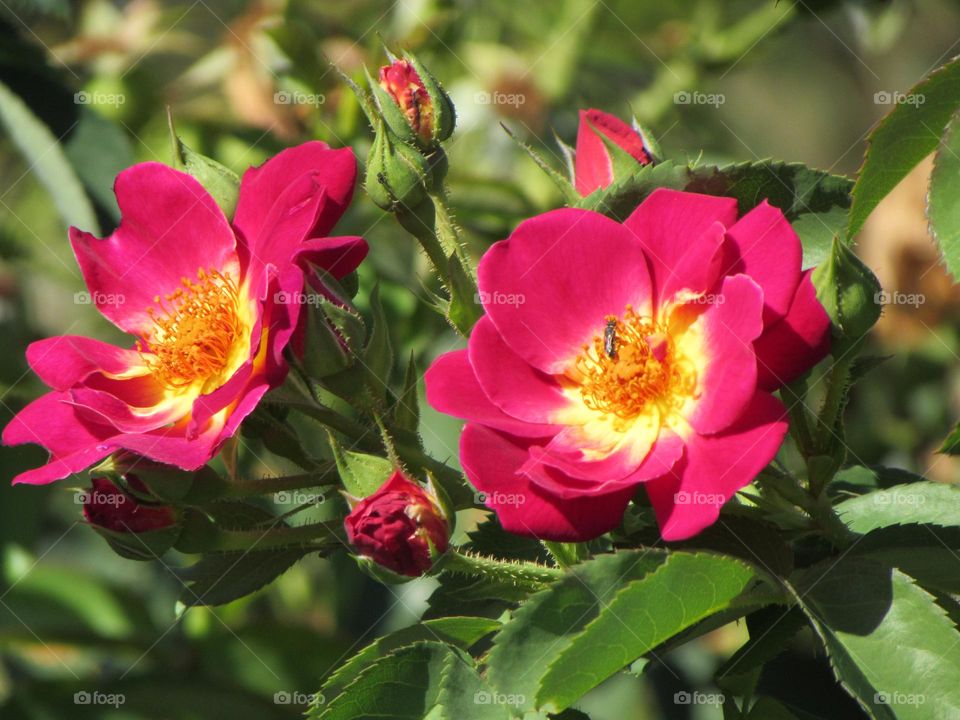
(84, 88)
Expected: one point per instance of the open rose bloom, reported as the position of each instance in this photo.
(207, 299)
(614, 356)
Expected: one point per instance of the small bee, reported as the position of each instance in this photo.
(610, 339)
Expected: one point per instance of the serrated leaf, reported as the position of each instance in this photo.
(461, 632)
(908, 133)
(793, 187)
(47, 161)
(891, 646)
(858, 480)
(622, 197)
(679, 593)
(219, 578)
(928, 553)
(404, 685)
(220, 181)
(920, 502)
(378, 354)
(943, 199)
(361, 474)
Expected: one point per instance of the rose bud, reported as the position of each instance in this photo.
(397, 174)
(401, 527)
(413, 104)
(107, 506)
(607, 149)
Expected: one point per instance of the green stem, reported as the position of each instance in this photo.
(833, 402)
(446, 231)
(528, 575)
(325, 475)
(564, 554)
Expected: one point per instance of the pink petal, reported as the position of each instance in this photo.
(770, 252)
(51, 422)
(61, 362)
(491, 460)
(452, 388)
(549, 287)
(103, 408)
(680, 235)
(593, 168)
(170, 228)
(339, 256)
(715, 467)
(729, 379)
(510, 382)
(332, 172)
(796, 343)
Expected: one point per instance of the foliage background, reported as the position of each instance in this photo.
(798, 82)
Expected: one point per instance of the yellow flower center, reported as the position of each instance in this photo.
(632, 364)
(195, 330)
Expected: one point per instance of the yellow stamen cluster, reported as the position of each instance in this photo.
(631, 364)
(195, 330)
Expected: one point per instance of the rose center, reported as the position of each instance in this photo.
(632, 364)
(194, 330)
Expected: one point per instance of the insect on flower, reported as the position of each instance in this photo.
(610, 338)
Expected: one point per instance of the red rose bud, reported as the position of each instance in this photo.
(400, 526)
(413, 104)
(107, 506)
(607, 149)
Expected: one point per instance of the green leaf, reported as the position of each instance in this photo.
(362, 474)
(858, 480)
(378, 354)
(623, 196)
(219, 578)
(943, 199)
(921, 502)
(410, 684)
(908, 133)
(951, 445)
(684, 590)
(461, 632)
(323, 352)
(464, 309)
(928, 553)
(220, 181)
(793, 187)
(604, 615)
(848, 291)
(769, 709)
(771, 630)
(891, 646)
(406, 411)
(47, 161)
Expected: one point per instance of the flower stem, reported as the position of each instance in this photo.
(531, 576)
